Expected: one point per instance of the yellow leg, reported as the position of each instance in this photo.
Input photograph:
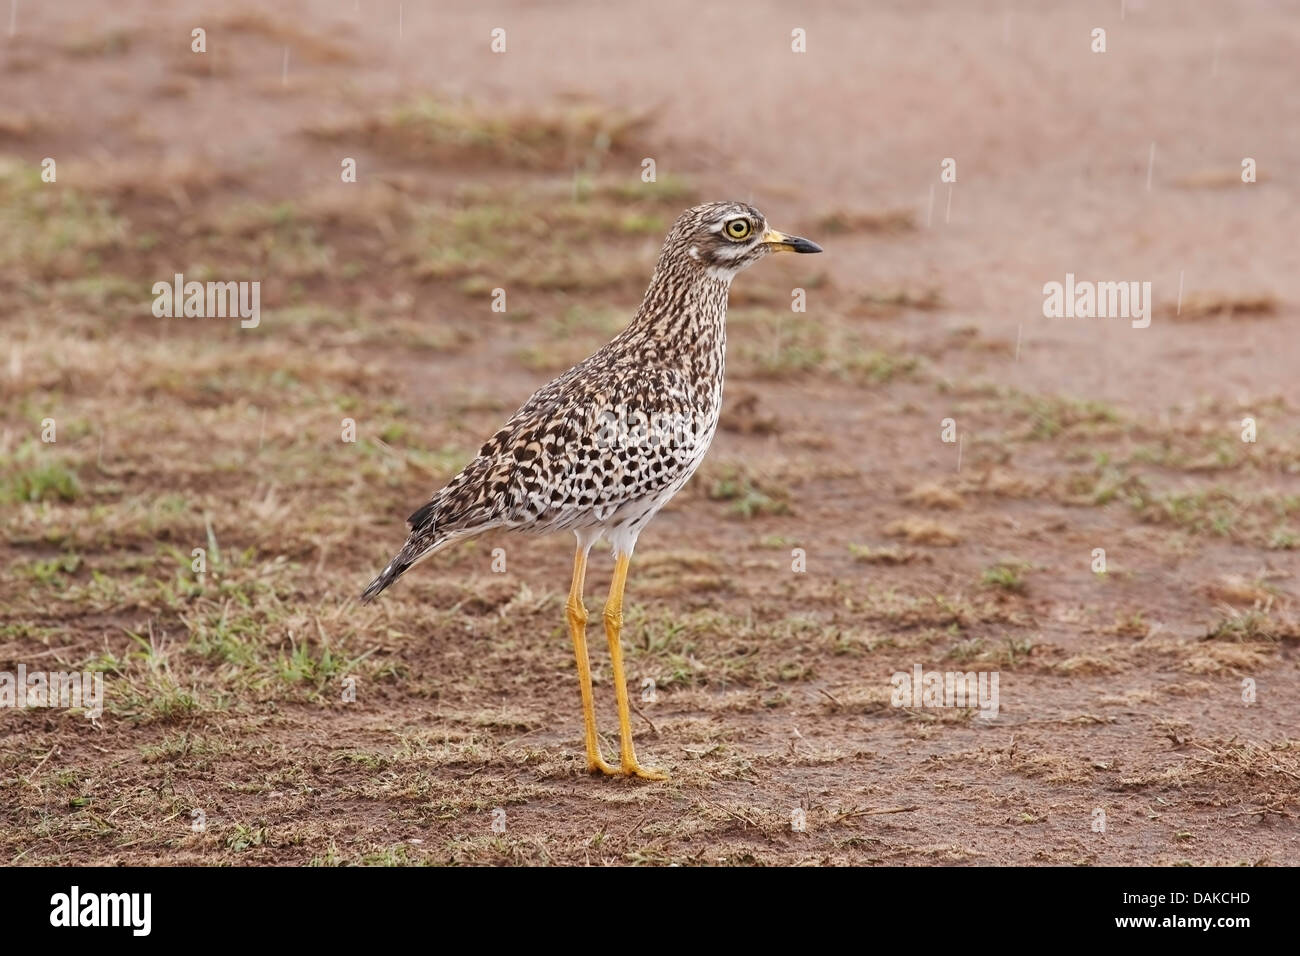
(613, 631)
(577, 618)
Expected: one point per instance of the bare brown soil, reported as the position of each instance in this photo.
(1120, 692)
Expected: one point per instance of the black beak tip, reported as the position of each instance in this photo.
(804, 245)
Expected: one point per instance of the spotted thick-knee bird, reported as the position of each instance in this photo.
(600, 450)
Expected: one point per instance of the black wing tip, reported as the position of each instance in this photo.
(421, 517)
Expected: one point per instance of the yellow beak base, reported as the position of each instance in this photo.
(784, 243)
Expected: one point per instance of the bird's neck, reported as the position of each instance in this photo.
(683, 317)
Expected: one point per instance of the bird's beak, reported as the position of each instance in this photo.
(783, 243)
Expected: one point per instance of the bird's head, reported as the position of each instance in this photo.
(722, 238)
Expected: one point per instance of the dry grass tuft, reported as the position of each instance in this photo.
(1237, 590)
(934, 495)
(17, 125)
(924, 531)
(743, 415)
(1255, 624)
(554, 139)
(842, 222)
(895, 299)
(1225, 659)
(177, 179)
(1002, 483)
(1206, 305)
(1263, 776)
(85, 45)
(303, 46)
(1090, 664)
(1215, 178)
(864, 554)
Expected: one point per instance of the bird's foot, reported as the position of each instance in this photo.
(597, 764)
(629, 768)
(633, 769)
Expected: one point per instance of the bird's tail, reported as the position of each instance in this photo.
(425, 539)
(396, 568)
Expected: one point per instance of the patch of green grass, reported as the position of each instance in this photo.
(715, 649)
(100, 294)
(963, 652)
(399, 855)
(51, 229)
(582, 321)
(642, 224)
(1214, 511)
(1006, 575)
(180, 746)
(754, 502)
(1253, 625)
(1052, 415)
(163, 702)
(749, 498)
(1097, 487)
(27, 630)
(393, 433)
(523, 241)
(142, 687)
(878, 368)
(314, 666)
(429, 129)
(1010, 653)
(1260, 518)
(39, 481)
(1283, 539)
(1014, 650)
(52, 570)
(668, 188)
(234, 638)
(332, 857)
(772, 343)
(244, 837)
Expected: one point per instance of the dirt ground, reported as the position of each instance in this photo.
(1125, 695)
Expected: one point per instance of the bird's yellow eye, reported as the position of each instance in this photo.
(738, 228)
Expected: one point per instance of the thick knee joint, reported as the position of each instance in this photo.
(614, 618)
(575, 612)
